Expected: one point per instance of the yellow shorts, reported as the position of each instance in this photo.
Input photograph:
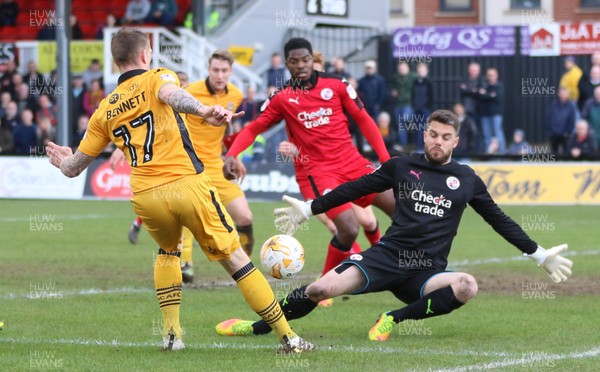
(192, 202)
(228, 191)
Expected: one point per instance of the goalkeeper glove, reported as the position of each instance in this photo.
(288, 220)
(556, 266)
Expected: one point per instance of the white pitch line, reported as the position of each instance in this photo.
(251, 346)
(59, 218)
(533, 360)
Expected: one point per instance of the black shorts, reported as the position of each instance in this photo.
(386, 271)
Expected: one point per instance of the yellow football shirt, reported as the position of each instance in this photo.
(152, 134)
(207, 139)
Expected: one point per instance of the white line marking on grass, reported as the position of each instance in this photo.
(252, 346)
(533, 360)
(484, 261)
(67, 217)
(35, 295)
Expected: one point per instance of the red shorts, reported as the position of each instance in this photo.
(319, 183)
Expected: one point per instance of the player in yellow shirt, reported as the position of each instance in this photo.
(170, 190)
(208, 143)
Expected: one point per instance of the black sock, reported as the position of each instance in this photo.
(295, 305)
(438, 302)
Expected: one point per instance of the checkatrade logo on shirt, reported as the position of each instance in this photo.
(315, 118)
(430, 204)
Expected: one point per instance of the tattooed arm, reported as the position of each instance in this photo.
(182, 101)
(62, 157)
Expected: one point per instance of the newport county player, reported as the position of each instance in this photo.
(411, 259)
(170, 190)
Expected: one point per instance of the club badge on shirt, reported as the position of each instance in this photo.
(452, 182)
(326, 94)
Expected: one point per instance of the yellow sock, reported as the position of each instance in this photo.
(167, 279)
(186, 247)
(260, 297)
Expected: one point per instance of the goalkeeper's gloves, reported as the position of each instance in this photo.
(288, 220)
(556, 266)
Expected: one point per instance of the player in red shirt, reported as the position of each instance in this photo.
(313, 105)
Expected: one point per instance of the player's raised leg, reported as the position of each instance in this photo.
(441, 294)
(213, 229)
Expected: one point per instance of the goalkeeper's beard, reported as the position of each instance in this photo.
(438, 156)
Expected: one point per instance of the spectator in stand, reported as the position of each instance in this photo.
(571, 77)
(24, 100)
(277, 73)
(16, 80)
(47, 110)
(77, 93)
(494, 147)
(401, 92)
(25, 134)
(422, 101)
(519, 146)
(372, 89)
(82, 125)
(6, 141)
(591, 113)
(11, 68)
(587, 84)
(383, 123)
(469, 96)
(5, 99)
(468, 144)
(35, 80)
(46, 133)
(11, 120)
(560, 121)
(250, 105)
(136, 12)
(339, 67)
(92, 98)
(111, 21)
(162, 12)
(492, 101)
(9, 11)
(93, 72)
(6, 86)
(76, 33)
(581, 145)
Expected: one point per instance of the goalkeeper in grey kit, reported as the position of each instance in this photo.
(431, 192)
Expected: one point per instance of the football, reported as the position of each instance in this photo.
(282, 256)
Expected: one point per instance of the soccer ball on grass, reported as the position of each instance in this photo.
(282, 256)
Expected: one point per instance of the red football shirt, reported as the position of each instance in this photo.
(316, 123)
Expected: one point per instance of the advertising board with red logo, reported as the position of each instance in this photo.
(105, 182)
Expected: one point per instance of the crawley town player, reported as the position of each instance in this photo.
(312, 104)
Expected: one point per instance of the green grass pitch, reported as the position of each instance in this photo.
(75, 295)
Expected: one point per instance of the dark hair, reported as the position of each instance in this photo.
(127, 44)
(296, 43)
(445, 117)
